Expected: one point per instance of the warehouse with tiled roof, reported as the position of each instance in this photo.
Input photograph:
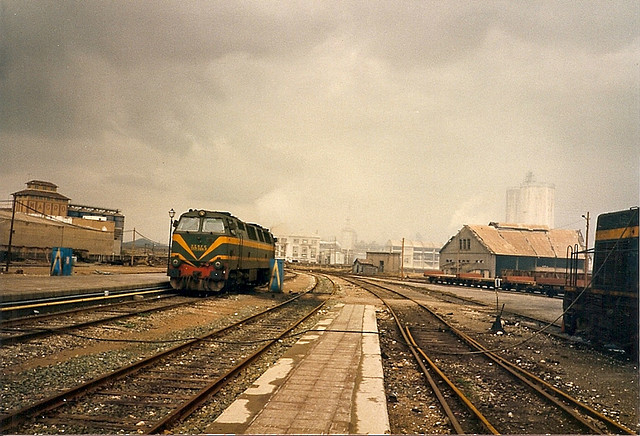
(491, 249)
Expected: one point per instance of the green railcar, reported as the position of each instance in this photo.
(214, 251)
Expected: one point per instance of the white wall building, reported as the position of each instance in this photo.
(331, 253)
(298, 248)
(418, 255)
(531, 203)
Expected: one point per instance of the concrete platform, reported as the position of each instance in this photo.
(15, 287)
(330, 381)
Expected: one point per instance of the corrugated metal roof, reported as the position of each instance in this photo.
(526, 241)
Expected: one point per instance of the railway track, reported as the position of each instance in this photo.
(26, 308)
(490, 391)
(554, 329)
(152, 394)
(20, 330)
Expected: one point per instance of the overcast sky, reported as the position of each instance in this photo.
(405, 117)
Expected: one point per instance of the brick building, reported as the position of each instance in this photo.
(41, 197)
(44, 219)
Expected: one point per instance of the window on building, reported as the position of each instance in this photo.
(465, 244)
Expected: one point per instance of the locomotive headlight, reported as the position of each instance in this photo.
(175, 262)
(217, 264)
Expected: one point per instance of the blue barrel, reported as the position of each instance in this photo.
(277, 274)
(61, 261)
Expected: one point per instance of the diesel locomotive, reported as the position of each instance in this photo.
(215, 251)
(606, 311)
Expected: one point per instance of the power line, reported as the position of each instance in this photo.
(143, 236)
(55, 219)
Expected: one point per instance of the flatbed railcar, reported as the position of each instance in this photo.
(215, 251)
(550, 284)
(606, 311)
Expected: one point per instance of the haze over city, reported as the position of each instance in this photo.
(407, 119)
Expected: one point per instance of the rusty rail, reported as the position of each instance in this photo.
(11, 421)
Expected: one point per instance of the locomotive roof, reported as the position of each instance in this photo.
(196, 212)
(619, 219)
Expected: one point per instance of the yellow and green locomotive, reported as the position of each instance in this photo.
(212, 251)
(606, 312)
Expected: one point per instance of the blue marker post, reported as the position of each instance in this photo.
(277, 274)
(61, 261)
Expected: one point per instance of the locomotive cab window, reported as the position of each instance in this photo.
(188, 224)
(213, 225)
(252, 233)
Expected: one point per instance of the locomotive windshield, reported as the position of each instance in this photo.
(194, 224)
(213, 225)
(188, 224)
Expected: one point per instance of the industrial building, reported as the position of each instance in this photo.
(384, 262)
(101, 214)
(492, 249)
(41, 198)
(531, 203)
(43, 218)
(418, 255)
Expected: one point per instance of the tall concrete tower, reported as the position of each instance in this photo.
(531, 203)
(348, 236)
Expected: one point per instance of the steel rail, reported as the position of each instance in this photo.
(10, 421)
(532, 380)
(44, 332)
(11, 322)
(189, 406)
(451, 385)
(107, 294)
(479, 303)
(434, 387)
(415, 350)
(540, 385)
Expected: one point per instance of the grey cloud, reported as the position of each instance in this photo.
(426, 111)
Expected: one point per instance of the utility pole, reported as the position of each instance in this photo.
(402, 260)
(586, 252)
(133, 246)
(13, 217)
